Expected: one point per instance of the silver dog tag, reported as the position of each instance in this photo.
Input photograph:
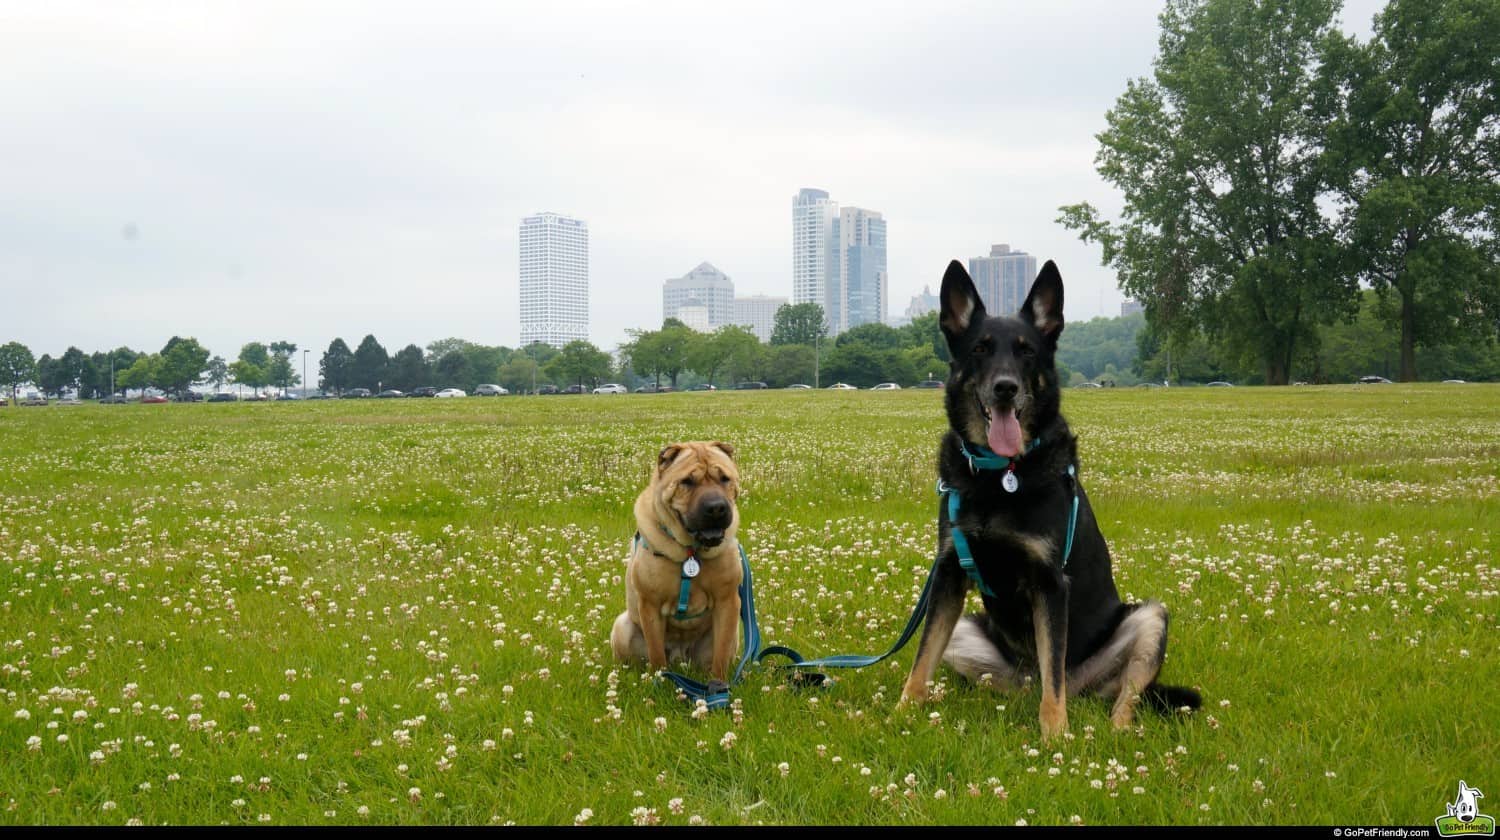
(690, 567)
(1010, 482)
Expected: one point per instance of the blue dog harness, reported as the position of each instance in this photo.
(985, 460)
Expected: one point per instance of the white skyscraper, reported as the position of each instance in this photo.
(838, 260)
(704, 286)
(554, 279)
(816, 262)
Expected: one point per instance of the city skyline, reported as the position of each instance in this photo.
(330, 174)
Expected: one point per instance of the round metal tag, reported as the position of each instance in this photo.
(1010, 482)
(690, 567)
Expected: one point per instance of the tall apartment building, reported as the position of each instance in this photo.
(920, 304)
(817, 275)
(554, 279)
(1003, 278)
(704, 286)
(864, 276)
(839, 260)
(758, 312)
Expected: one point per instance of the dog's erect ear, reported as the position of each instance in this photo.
(1044, 305)
(724, 447)
(667, 456)
(961, 303)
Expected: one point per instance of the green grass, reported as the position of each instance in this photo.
(398, 612)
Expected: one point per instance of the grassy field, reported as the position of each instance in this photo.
(397, 612)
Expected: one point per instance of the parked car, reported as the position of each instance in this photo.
(839, 386)
(653, 388)
(188, 396)
(152, 398)
(703, 386)
(222, 397)
(390, 394)
(1454, 382)
(424, 391)
(356, 393)
(449, 393)
(1088, 385)
(543, 390)
(36, 399)
(798, 386)
(286, 397)
(611, 388)
(1219, 383)
(929, 384)
(751, 386)
(113, 399)
(886, 386)
(490, 391)
(1374, 380)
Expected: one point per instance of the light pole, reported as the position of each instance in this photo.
(304, 373)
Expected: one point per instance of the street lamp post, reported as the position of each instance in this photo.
(304, 373)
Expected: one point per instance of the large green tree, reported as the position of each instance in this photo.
(714, 351)
(799, 323)
(1418, 146)
(143, 373)
(1219, 157)
(17, 365)
(409, 369)
(336, 368)
(281, 372)
(253, 366)
(370, 362)
(182, 363)
(664, 352)
(579, 362)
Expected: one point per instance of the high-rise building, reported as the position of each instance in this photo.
(817, 275)
(839, 260)
(554, 279)
(758, 312)
(864, 275)
(695, 316)
(1003, 278)
(705, 286)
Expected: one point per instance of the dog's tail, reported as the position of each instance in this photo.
(1169, 698)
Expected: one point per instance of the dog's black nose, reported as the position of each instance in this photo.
(1006, 389)
(716, 509)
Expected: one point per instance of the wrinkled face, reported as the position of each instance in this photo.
(1002, 382)
(697, 483)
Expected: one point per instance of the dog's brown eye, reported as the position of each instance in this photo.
(724, 479)
(689, 483)
(981, 349)
(1024, 349)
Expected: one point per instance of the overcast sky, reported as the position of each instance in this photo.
(305, 171)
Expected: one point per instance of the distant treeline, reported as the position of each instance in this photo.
(1124, 351)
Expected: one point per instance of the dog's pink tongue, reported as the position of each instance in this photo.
(1005, 433)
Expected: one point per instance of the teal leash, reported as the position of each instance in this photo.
(715, 693)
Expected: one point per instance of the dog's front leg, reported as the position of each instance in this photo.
(945, 606)
(654, 630)
(1049, 616)
(726, 616)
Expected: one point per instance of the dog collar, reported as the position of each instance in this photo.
(984, 458)
(690, 569)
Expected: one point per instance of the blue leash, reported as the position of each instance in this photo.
(714, 693)
(983, 460)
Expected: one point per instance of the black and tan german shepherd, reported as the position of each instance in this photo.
(1046, 615)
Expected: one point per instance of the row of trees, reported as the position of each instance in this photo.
(1273, 167)
(180, 364)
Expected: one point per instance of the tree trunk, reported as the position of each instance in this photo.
(1408, 338)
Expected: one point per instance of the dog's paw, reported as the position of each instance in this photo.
(1054, 722)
